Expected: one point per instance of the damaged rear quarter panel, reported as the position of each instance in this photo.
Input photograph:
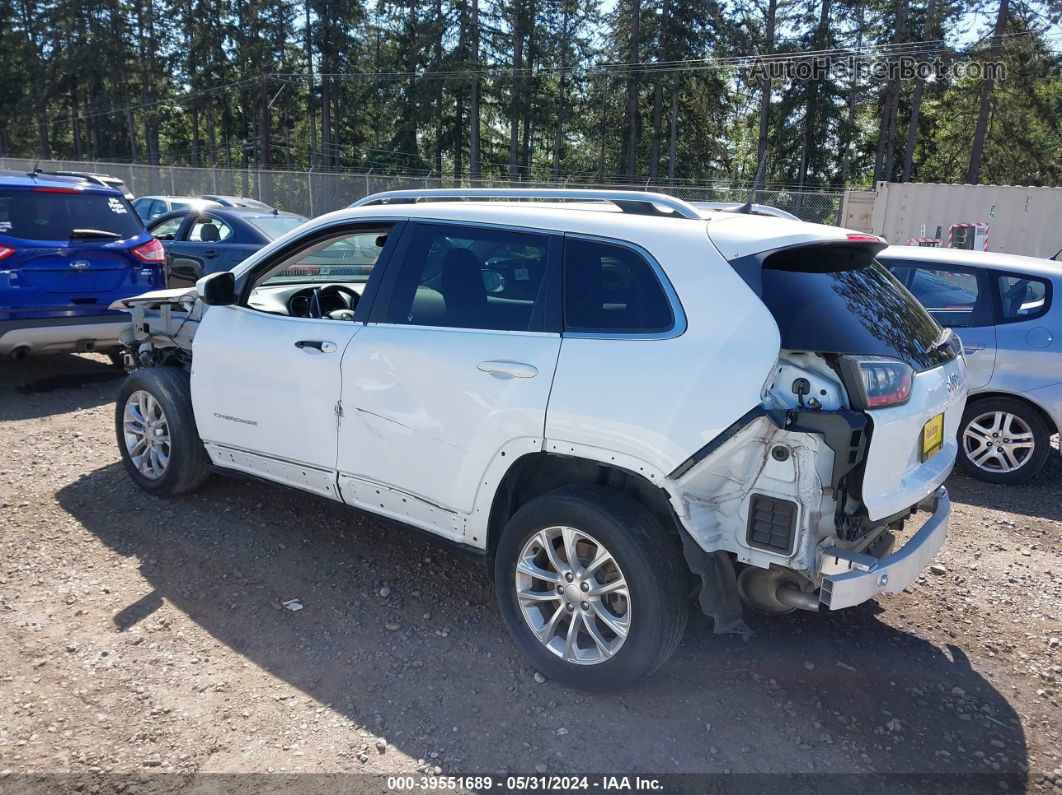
(712, 497)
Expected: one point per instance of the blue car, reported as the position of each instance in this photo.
(211, 239)
(68, 249)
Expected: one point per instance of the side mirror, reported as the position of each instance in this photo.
(217, 289)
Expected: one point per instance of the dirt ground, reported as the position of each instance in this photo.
(145, 636)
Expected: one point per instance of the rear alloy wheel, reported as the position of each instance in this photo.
(591, 587)
(1003, 440)
(573, 595)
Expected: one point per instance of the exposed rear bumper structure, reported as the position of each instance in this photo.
(55, 335)
(868, 577)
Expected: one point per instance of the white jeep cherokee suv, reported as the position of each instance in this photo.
(612, 403)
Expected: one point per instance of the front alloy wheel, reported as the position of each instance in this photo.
(156, 433)
(146, 434)
(573, 595)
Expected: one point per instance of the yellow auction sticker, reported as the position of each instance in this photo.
(932, 436)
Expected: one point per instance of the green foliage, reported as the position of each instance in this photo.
(394, 87)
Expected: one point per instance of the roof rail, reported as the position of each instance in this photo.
(629, 201)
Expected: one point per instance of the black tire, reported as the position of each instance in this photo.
(650, 559)
(188, 465)
(1031, 464)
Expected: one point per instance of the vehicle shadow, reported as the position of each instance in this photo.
(431, 668)
(42, 385)
(1039, 498)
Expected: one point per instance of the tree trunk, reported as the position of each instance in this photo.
(602, 129)
(75, 125)
(265, 124)
(765, 102)
(821, 42)
(632, 90)
(672, 148)
(311, 89)
(325, 158)
(658, 90)
(514, 106)
(558, 130)
(885, 158)
(850, 125)
(977, 148)
(473, 111)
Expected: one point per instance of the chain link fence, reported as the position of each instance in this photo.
(312, 193)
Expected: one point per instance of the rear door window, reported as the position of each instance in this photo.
(1022, 297)
(612, 289)
(43, 215)
(209, 230)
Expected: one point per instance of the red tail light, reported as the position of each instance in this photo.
(862, 237)
(56, 190)
(6, 251)
(152, 252)
(885, 382)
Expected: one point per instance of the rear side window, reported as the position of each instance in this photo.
(40, 215)
(1023, 297)
(612, 289)
(471, 277)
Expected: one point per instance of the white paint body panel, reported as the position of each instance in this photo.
(426, 434)
(421, 416)
(895, 477)
(737, 235)
(254, 391)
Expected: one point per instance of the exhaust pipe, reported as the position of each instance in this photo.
(791, 596)
(20, 353)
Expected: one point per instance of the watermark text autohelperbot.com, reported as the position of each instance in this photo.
(903, 67)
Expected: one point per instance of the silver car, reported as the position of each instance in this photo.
(1002, 306)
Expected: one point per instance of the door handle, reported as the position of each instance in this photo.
(210, 254)
(972, 348)
(511, 369)
(321, 346)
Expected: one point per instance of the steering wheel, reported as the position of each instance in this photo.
(314, 309)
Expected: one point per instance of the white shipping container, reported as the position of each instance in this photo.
(1021, 220)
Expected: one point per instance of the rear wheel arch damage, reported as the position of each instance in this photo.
(539, 474)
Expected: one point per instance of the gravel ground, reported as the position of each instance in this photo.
(141, 636)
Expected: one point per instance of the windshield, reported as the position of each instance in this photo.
(277, 225)
(852, 311)
(40, 215)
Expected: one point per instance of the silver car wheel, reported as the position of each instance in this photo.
(573, 595)
(998, 441)
(147, 434)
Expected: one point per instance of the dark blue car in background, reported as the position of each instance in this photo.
(68, 249)
(199, 242)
